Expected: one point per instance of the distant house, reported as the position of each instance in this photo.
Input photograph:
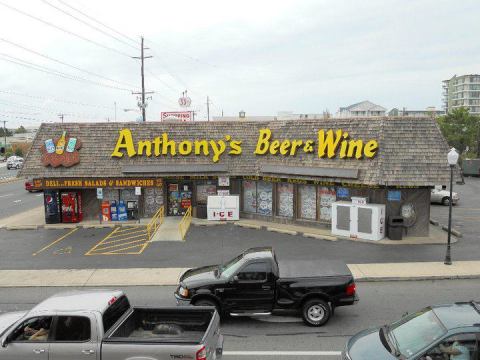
(429, 111)
(362, 109)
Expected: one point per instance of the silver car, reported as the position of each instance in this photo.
(439, 195)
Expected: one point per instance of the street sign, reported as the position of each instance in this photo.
(184, 101)
(177, 115)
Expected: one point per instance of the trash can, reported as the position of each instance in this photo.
(395, 227)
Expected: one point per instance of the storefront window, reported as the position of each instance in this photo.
(264, 198)
(307, 202)
(285, 200)
(249, 196)
(205, 190)
(326, 196)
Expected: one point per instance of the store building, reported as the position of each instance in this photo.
(283, 171)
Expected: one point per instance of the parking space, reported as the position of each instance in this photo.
(127, 240)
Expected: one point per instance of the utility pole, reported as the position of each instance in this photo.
(142, 57)
(61, 116)
(208, 109)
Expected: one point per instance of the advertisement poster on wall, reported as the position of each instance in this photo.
(327, 197)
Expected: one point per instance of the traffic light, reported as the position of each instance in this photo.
(2, 150)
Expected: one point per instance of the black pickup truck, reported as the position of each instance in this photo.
(255, 283)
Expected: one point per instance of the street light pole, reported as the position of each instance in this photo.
(448, 258)
(452, 158)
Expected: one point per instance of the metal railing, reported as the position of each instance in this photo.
(155, 223)
(185, 222)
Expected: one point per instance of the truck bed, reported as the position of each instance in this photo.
(166, 325)
(312, 268)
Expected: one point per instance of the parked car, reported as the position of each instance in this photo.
(101, 325)
(435, 333)
(254, 283)
(441, 195)
(14, 162)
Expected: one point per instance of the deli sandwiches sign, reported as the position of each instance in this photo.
(326, 144)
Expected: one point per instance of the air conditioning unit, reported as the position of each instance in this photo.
(358, 221)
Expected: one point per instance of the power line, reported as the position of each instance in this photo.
(64, 30)
(90, 25)
(44, 69)
(55, 99)
(46, 110)
(64, 63)
(98, 22)
(21, 118)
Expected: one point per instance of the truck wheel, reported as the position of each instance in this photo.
(316, 312)
(206, 302)
(446, 201)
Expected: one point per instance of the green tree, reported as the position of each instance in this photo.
(2, 132)
(19, 152)
(461, 130)
(21, 130)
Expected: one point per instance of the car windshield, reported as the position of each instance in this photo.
(230, 267)
(416, 331)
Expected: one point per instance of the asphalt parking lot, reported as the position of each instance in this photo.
(47, 249)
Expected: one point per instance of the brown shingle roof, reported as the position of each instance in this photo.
(412, 151)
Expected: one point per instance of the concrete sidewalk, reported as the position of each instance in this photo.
(170, 276)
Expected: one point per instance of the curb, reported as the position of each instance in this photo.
(434, 222)
(320, 237)
(282, 231)
(67, 226)
(21, 227)
(453, 231)
(10, 180)
(417, 278)
(248, 226)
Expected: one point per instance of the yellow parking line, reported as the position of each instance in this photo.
(130, 247)
(56, 241)
(123, 239)
(107, 237)
(128, 228)
(123, 244)
(122, 233)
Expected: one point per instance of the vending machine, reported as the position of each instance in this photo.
(51, 201)
(71, 207)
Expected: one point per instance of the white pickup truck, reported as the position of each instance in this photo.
(101, 325)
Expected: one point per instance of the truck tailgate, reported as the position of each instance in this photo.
(312, 268)
(165, 333)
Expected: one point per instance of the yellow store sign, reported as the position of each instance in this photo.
(327, 144)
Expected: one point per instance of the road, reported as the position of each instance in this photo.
(14, 199)
(4, 173)
(380, 303)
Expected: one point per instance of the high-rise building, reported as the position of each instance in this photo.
(462, 91)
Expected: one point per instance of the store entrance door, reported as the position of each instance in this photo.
(179, 197)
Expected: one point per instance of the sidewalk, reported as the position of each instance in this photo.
(436, 234)
(170, 276)
(34, 219)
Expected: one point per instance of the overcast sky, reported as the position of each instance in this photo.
(258, 56)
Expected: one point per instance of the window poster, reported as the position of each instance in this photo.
(285, 200)
(308, 200)
(249, 196)
(327, 196)
(204, 190)
(264, 198)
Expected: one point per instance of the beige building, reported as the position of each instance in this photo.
(462, 91)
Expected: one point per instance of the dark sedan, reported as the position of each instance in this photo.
(440, 332)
